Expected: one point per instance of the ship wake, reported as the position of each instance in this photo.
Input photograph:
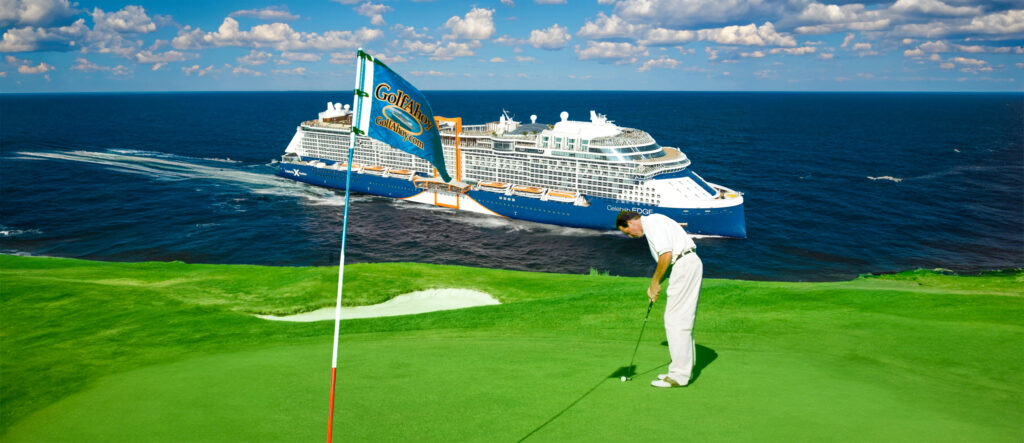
(169, 167)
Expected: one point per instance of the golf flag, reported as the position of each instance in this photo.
(396, 113)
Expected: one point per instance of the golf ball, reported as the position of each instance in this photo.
(623, 378)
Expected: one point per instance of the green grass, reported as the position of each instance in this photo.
(95, 351)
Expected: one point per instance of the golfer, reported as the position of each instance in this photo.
(673, 249)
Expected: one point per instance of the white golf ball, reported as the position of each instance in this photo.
(623, 378)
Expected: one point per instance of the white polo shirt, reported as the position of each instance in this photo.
(665, 235)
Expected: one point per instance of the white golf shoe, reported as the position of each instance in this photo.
(664, 381)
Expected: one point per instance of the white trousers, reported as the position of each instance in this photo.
(680, 311)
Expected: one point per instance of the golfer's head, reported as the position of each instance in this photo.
(629, 223)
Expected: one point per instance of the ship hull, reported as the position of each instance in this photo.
(600, 213)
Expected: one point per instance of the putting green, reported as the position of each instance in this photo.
(482, 388)
(170, 352)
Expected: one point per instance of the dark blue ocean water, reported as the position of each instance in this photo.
(836, 185)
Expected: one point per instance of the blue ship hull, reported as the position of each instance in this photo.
(600, 214)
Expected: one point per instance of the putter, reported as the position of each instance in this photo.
(630, 367)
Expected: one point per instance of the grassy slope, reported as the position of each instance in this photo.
(894, 357)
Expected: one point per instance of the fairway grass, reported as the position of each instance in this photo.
(95, 351)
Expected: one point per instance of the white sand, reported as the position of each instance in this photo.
(406, 304)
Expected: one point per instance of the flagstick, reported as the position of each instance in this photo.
(360, 66)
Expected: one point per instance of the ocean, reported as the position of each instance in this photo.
(835, 184)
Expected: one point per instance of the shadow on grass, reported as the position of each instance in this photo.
(704, 357)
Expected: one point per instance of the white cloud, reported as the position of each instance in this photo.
(454, 49)
(663, 62)
(25, 66)
(607, 27)
(431, 73)
(671, 13)
(817, 12)
(751, 34)
(755, 54)
(130, 19)
(297, 71)
(712, 54)
(803, 50)
(862, 46)
(407, 32)
(300, 56)
(188, 70)
(968, 61)
(552, 39)
(27, 39)
(254, 58)
(81, 64)
(342, 58)
(846, 40)
(619, 53)
(870, 25)
(663, 36)
(933, 7)
(508, 41)
(34, 12)
(508, 2)
(274, 35)
(374, 11)
(478, 24)
(497, 60)
(158, 60)
(439, 51)
(550, 2)
(525, 59)
(1007, 22)
(390, 58)
(246, 71)
(268, 13)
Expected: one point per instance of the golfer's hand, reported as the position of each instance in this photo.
(653, 290)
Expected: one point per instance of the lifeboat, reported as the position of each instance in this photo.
(563, 196)
(375, 170)
(528, 191)
(493, 186)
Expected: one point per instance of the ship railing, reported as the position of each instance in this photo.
(320, 124)
(627, 138)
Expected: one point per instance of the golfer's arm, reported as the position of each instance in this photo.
(664, 261)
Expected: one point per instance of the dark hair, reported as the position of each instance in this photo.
(624, 217)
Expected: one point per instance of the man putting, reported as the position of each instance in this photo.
(673, 249)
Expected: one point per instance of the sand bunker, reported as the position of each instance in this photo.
(412, 303)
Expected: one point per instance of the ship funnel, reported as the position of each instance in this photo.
(330, 106)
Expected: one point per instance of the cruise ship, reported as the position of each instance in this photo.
(570, 173)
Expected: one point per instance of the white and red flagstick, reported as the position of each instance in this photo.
(360, 70)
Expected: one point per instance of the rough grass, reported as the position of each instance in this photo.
(95, 351)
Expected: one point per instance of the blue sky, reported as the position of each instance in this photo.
(719, 45)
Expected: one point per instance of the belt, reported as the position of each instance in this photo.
(684, 253)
